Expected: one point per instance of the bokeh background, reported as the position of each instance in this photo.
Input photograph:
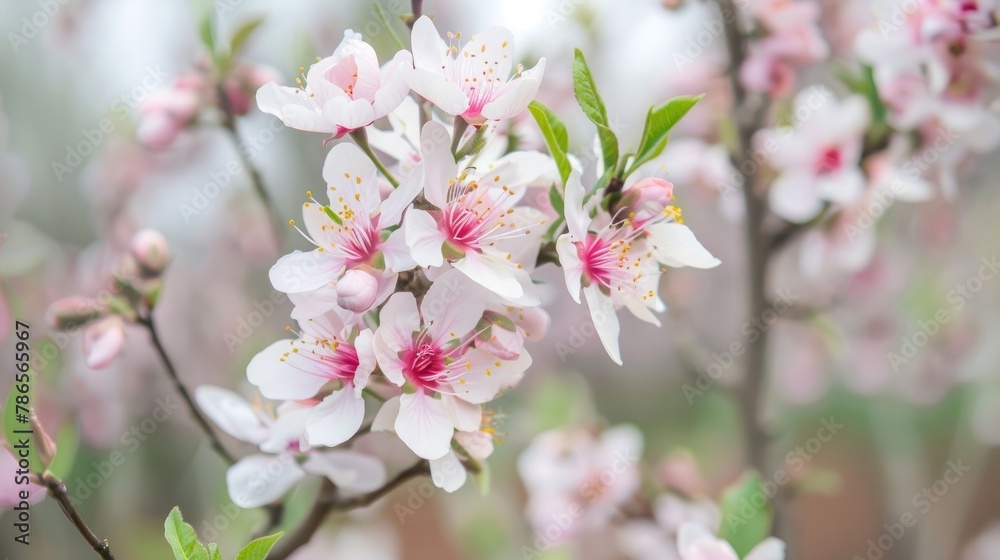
(93, 61)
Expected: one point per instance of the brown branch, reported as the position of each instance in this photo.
(199, 417)
(328, 501)
(57, 490)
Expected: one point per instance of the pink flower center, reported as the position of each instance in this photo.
(830, 160)
(425, 365)
(473, 217)
(344, 75)
(359, 240)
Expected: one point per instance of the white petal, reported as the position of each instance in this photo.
(231, 413)
(385, 418)
(571, 264)
(577, 219)
(424, 238)
(452, 306)
(364, 345)
(303, 272)
(466, 416)
(258, 480)
(427, 45)
(516, 96)
(435, 88)
(690, 533)
(423, 425)
(349, 470)
(392, 208)
(491, 273)
(793, 197)
(396, 252)
(602, 311)
(448, 473)
(280, 379)
(395, 84)
(292, 108)
(675, 245)
(399, 318)
(336, 419)
(438, 161)
(349, 114)
(768, 549)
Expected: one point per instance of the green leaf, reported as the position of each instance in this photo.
(555, 135)
(556, 200)
(590, 101)
(746, 514)
(206, 30)
(243, 34)
(258, 549)
(17, 432)
(182, 538)
(656, 132)
(213, 552)
(473, 145)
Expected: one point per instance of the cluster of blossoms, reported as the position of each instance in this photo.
(791, 39)
(587, 484)
(415, 305)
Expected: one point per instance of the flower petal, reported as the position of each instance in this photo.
(602, 311)
(349, 470)
(336, 419)
(303, 272)
(258, 480)
(448, 473)
(675, 245)
(231, 413)
(423, 425)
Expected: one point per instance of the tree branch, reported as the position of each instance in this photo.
(57, 490)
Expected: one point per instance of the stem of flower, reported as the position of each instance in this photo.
(57, 490)
(456, 135)
(360, 137)
(328, 501)
(229, 124)
(192, 407)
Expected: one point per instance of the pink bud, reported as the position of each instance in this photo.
(103, 341)
(647, 199)
(356, 291)
(71, 312)
(238, 97)
(158, 130)
(503, 343)
(150, 250)
(479, 444)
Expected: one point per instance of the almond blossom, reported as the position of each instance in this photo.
(473, 83)
(430, 350)
(328, 350)
(697, 543)
(351, 232)
(818, 158)
(343, 92)
(615, 261)
(474, 224)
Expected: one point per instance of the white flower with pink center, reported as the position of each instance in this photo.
(475, 225)
(327, 354)
(343, 92)
(617, 263)
(818, 158)
(350, 233)
(263, 478)
(473, 83)
(430, 353)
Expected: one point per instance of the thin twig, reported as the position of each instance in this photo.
(57, 490)
(199, 417)
(328, 501)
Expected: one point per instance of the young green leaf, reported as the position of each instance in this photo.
(746, 515)
(482, 478)
(258, 549)
(207, 32)
(17, 429)
(213, 552)
(555, 135)
(243, 34)
(182, 538)
(556, 200)
(656, 131)
(590, 101)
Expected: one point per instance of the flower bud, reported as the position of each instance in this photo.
(71, 312)
(502, 339)
(356, 291)
(646, 199)
(158, 130)
(479, 444)
(151, 252)
(46, 448)
(103, 341)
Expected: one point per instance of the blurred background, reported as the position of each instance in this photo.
(75, 186)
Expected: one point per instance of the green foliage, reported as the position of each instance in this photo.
(746, 514)
(186, 546)
(590, 101)
(656, 132)
(555, 135)
(243, 33)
